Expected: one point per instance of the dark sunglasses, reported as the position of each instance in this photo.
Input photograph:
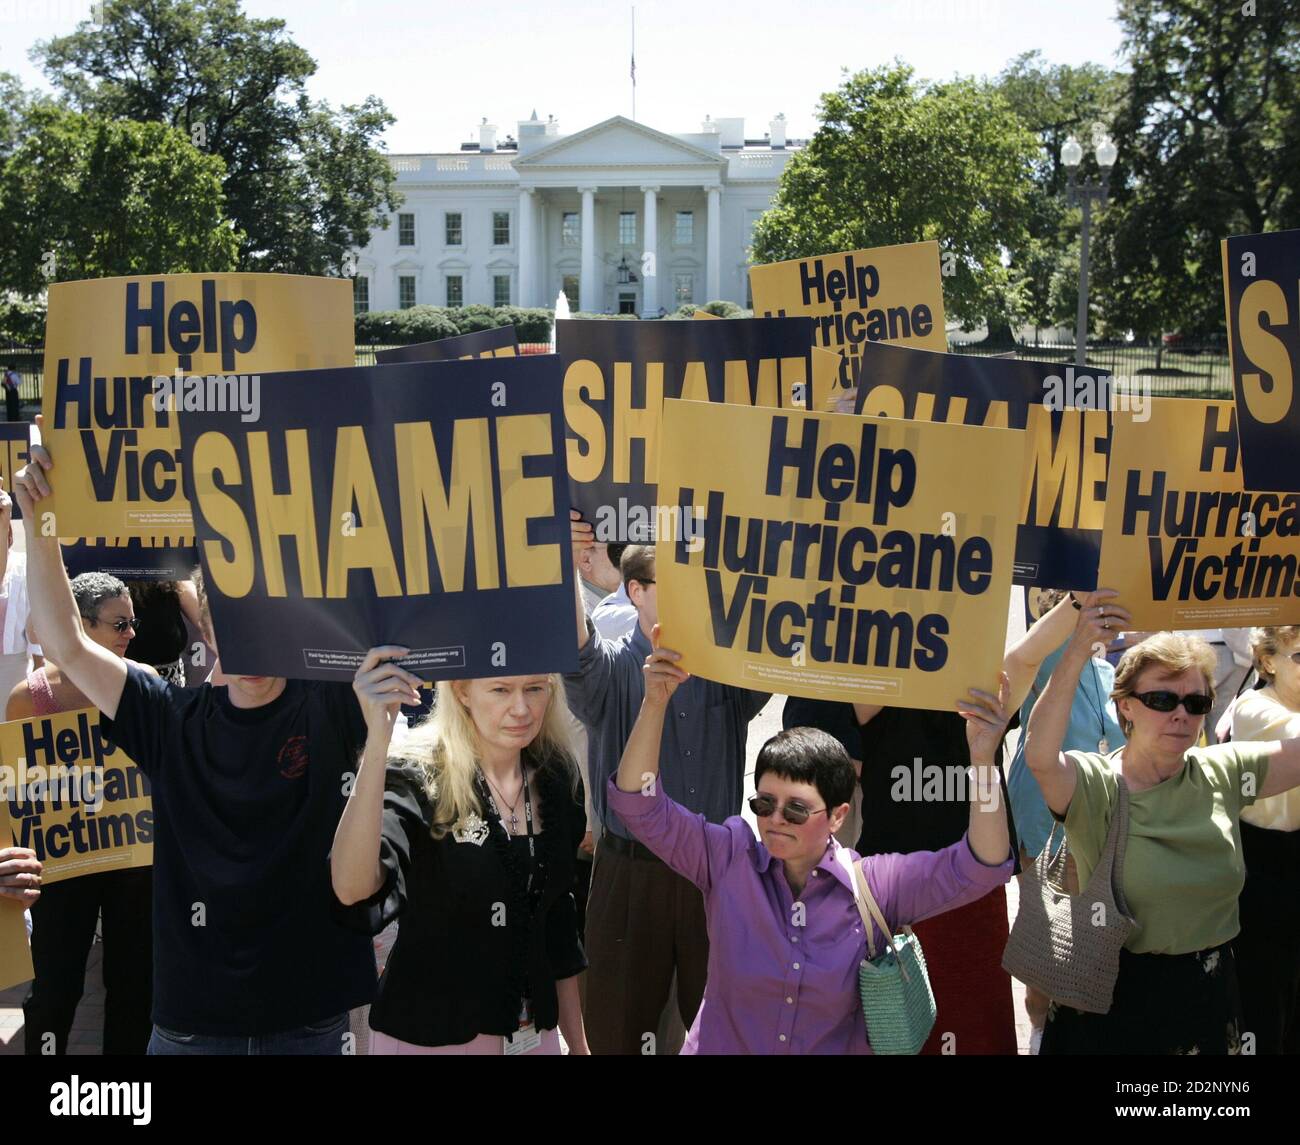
(119, 626)
(794, 811)
(1196, 703)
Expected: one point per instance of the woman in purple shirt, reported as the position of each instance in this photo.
(784, 931)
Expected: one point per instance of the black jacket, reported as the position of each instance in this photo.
(470, 939)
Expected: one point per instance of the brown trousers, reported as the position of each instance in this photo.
(644, 922)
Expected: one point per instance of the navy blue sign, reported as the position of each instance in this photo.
(424, 505)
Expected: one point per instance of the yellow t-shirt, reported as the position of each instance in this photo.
(1260, 716)
(1183, 869)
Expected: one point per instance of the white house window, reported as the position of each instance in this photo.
(406, 291)
(569, 284)
(455, 290)
(360, 295)
(627, 228)
(500, 228)
(455, 233)
(684, 229)
(405, 230)
(571, 229)
(500, 290)
(684, 288)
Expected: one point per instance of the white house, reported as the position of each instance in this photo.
(621, 217)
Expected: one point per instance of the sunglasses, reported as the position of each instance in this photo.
(1196, 703)
(795, 812)
(119, 626)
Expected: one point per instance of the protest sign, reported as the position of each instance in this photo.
(886, 294)
(1261, 288)
(501, 342)
(1185, 545)
(131, 558)
(825, 373)
(834, 557)
(616, 377)
(423, 504)
(74, 798)
(15, 956)
(111, 427)
(14, 444)
(1066, 419)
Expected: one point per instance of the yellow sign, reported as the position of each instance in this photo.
(886, 294)
(837, 558)
(15, 956)
(76, 800)
(124, 356)
(1184, 544)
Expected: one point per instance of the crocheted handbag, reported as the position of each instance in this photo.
(1065, 945)
(897, 1002)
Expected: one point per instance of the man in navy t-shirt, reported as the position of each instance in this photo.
(249, 780)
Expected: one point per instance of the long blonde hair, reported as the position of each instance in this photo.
(445, 750)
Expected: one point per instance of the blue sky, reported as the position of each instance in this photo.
(442, 67)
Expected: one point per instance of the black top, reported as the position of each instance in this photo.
(909, 803)
(469, 942)
(163, 635)
(245, 802)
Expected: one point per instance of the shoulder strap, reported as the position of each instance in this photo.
(1112, 855)
(868, 909)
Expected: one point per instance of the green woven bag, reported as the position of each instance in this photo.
(897, 1001)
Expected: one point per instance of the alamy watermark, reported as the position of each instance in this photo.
(211, 393)
(1114, 392)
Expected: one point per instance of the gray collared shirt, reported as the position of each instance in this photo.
(702, 756)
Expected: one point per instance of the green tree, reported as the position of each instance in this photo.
(899, 160)
(86, 197)
(1209, 137)
(1054, 101)
(304, 182)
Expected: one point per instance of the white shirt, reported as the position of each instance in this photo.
(614, 616)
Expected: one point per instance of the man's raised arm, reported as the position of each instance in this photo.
(95, 670)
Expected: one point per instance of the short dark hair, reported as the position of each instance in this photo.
(614, 550)
(637, 563)
(808, 755)
(91, 589)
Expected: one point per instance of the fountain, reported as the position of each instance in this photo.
(561, 311)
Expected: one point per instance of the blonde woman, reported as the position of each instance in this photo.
(1268, 947)
(468, 840)
(1177, 986)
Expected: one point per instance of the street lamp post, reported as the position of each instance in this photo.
(1083, 194)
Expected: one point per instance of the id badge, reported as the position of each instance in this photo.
(527, 1037)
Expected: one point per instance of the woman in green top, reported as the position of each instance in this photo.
(1177, 987)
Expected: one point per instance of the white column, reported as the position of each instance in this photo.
(650, 266)
(587, 280)
(527, 246)
(713, 257)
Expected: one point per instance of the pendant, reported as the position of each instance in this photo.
(474, 831)
(1103, 746)
(514, 823)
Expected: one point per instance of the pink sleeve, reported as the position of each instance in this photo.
(692, 846)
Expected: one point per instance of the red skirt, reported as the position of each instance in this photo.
(972, 993)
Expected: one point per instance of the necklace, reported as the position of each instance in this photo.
(514, 816)
(1103, 743)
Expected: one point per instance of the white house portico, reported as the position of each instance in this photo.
(621, 217)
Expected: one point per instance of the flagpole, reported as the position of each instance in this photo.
(633, 63)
